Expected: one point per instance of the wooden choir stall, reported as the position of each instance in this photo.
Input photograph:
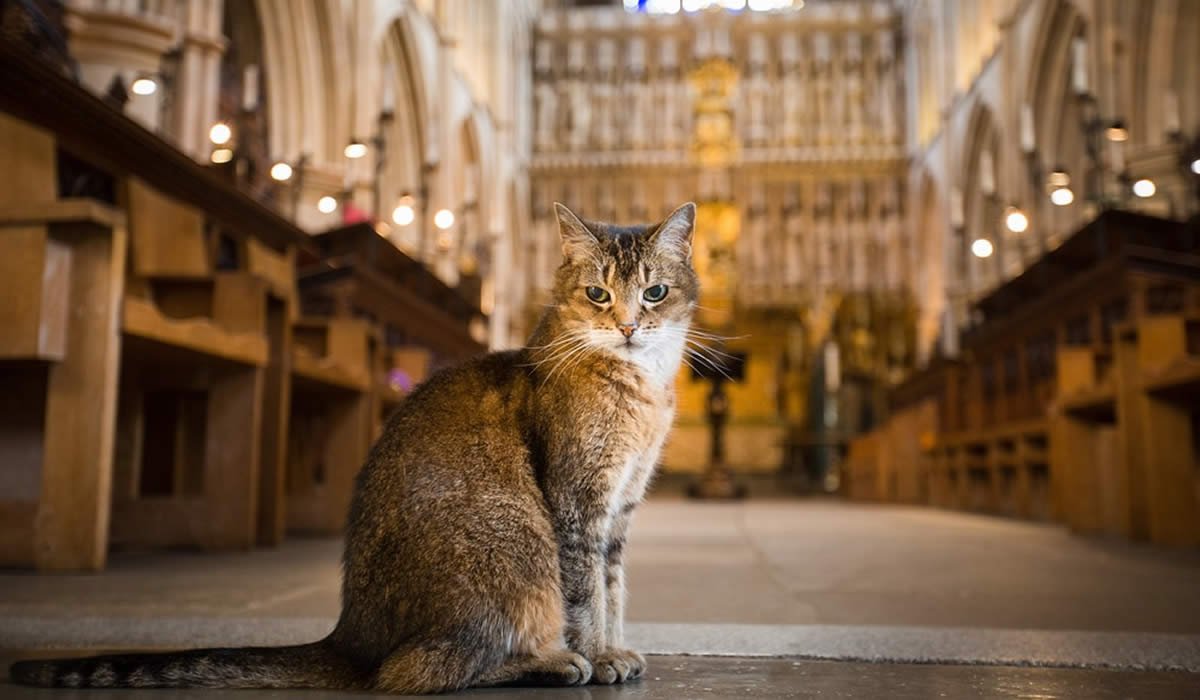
(1076, 399)
(167, 384)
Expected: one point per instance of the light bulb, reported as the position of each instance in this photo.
(1058, 178)
(1196, 166)
(355, 150)
(144, 86)
(1015, 220)
(403, 215)
(281, 171)
(222, 155)
(1117, 132)
(982, 248)
(1062, 196)
(327, 204)
(220, 133)
(1144, 188)
(444, 219)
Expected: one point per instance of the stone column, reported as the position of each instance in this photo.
(120, 42)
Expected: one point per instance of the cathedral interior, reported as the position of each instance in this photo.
(939, 431)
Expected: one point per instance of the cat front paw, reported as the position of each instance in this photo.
(617, 666)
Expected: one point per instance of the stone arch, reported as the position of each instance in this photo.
(405, 169)
(1057, 118)
(304, 43)
(981, 209)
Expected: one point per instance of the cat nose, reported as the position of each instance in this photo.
(627, 329)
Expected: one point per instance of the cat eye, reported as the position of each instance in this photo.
(656, 293)
(597, 294)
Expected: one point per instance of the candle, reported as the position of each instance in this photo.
(1079, 66)
(250, 87)
(1171, 112)
(1028, 138)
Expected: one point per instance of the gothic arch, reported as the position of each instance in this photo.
(304, 43)
(980, 209)
(404, 170)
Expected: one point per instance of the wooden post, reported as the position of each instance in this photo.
(69, 530)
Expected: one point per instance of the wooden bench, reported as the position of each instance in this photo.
(152, 329)
(331, 421)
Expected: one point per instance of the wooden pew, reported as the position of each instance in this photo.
(331, 420)
(190, 413)
(154, 297)
(1035, 420)
(1158, 400)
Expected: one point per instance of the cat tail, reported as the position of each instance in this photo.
(314, 665)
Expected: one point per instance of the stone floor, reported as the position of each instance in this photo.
(683, 677)
(805, 580)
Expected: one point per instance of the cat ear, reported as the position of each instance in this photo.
(674, 234)
(576, 238)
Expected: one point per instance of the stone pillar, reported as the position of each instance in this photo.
(195, 93)
(121, 42)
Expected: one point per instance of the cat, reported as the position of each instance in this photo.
(484, 544)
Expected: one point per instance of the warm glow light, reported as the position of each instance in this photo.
(144, 86)
(982, 248)
(220, 133)
(1196, 166)
(1015, 220)
(1062, 196)
(222, 155)
(1058, 178)
(403, 215)
(1117, 132)
(327, 204)
(281, 172)
(444, 219)
(1144, 188)
(355, 149)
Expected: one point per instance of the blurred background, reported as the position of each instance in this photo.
(948, 252)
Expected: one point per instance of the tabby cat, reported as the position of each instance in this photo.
(484, 542)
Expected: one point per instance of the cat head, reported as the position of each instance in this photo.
(627, 290)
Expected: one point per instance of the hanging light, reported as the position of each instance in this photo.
(220, 133)
(355, 149)
(443, 219)
(982, 248)
(405, 212)
(1058, 178)
(1062, 196)
(1144, 188)
(281, 172)
(144, 85)
(1015, 220)
(1117, 131)
(221, 155)
(327, 204)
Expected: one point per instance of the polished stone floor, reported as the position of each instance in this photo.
(682, 677)
(764, 593)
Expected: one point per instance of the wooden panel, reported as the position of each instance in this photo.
(73, 515)
(201, 336)
(278, 270)
(277, 393)
(240, 303)
(30, 163)
(167, 237)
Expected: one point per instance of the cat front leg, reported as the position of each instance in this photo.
(627, 663)
(584, 597)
